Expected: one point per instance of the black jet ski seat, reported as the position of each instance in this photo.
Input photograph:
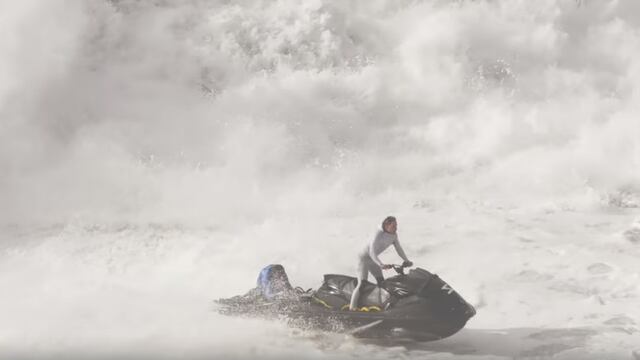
(336, 292)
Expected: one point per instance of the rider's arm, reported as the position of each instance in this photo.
(372, 252)
(399, 249)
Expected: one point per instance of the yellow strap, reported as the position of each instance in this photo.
(363, 309)
(320, 301)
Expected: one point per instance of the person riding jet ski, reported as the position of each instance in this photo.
(368, 261)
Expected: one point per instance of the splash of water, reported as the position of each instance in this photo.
(126, 121)
(207, 111)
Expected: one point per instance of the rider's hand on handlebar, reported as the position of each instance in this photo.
(387, 267)
(407, 264)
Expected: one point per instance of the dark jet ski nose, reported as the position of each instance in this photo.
(471, 311)
(445, 302)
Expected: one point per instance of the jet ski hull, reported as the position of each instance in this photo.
(405, 324)
(428, 309)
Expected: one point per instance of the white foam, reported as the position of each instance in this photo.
(149, 150)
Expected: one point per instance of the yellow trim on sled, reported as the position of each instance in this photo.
(362, 309)
(320, 301)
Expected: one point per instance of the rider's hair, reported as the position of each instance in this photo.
(388, 220)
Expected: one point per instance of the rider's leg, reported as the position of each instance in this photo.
(363, 273)
(375, 270)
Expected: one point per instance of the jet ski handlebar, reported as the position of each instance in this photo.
(400, 268)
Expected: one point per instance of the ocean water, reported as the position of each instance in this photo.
(154, 155)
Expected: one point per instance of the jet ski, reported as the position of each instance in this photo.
(417, 305)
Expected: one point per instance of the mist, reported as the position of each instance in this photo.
(169, 149)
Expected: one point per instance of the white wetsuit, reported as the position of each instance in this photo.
(368, 261)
